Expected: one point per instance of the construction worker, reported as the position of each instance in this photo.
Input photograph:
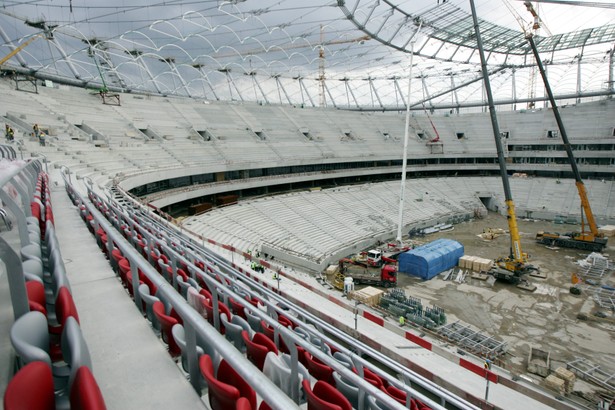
(402, 321)
(9, 133)
(35, 130)
(41, 139)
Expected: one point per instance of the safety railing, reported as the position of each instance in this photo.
(17, 186)
(136, 215)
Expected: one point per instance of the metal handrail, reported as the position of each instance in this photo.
(194, 323)
(407, 375)
(291, 338)
(233, 275)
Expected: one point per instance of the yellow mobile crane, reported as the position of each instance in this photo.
(512, 267)
(591, 240)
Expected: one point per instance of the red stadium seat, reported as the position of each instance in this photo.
(222, 308)
(36, 296)
(166, 328)
(270, 333)
(373, 378)
(85, 393)
(324, 397)
(237, 309)
(318, 369)
(65, 307)
(31, 388)
(268, 330)
(243, 404)
(225, 390)
(258, 347)
(286, 322)
(124, 266)
(396, 393)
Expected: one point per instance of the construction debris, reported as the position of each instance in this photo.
(491, 233)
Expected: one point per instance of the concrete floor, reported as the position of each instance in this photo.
(545, 319)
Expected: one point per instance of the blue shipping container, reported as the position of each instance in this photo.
(429, 260)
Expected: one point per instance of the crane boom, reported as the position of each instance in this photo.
(516, 254)
(586, 208)
(515, 266)
(17, 49)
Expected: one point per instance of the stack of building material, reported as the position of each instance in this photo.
(475, 263)
(369, 296)
(464, 260)
(555, 383)
(568, 377)
(607, 230)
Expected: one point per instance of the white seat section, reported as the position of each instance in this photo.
(176, 124)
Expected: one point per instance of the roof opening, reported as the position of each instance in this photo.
(260, 134)
(206, 135)
(306, 133)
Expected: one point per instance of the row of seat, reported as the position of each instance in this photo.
(169, 325)
(240, 325)
(53, 359)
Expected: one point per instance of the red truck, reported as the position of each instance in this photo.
(364, 274)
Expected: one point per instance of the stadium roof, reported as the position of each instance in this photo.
(344, 53)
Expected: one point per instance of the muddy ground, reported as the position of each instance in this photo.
(547, 318)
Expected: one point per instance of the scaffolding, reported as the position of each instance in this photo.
(473, 341)
(605, 298)
(596, 269)
(589, 371)
(595, 272)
